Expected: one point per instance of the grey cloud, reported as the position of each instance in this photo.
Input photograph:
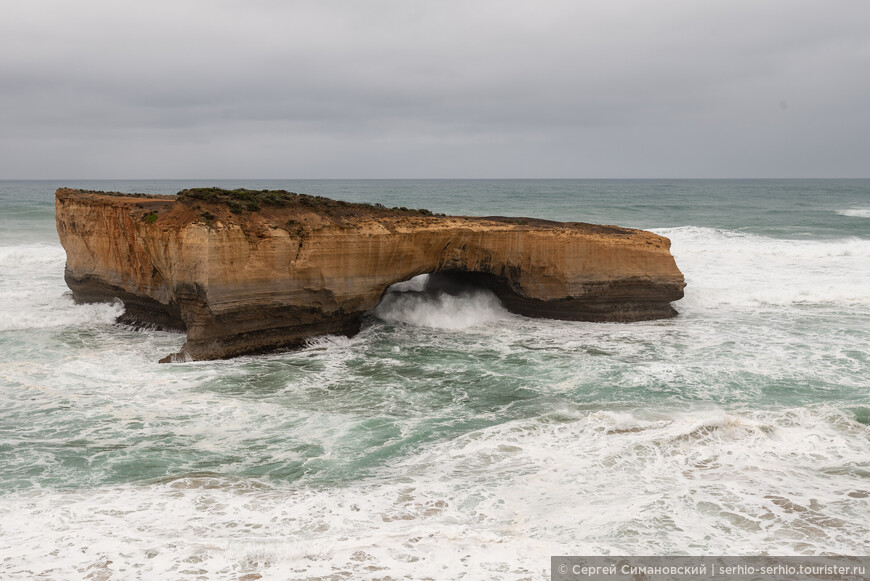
(391, 88)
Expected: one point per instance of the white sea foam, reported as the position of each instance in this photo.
(442, 310)
(487, 504)
(34, 296)
(614, 481)
(855, 212)
(43, 312)
(724, 268)
(29, 254)
(326, 341)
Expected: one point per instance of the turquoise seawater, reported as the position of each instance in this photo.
(451, 439)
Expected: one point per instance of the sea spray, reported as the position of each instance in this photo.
(415, 303)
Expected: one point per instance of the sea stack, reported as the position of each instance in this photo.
(246, 271)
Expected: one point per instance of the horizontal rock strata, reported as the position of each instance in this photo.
(249, 272)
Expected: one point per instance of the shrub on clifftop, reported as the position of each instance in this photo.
(241, 200)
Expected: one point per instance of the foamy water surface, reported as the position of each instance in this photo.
(450, 439)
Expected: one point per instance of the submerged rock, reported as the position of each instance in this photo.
(248, 272)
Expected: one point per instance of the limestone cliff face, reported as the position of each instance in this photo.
(241, 281)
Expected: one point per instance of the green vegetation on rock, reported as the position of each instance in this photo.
(242, 200)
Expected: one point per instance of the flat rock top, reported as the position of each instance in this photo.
(258, 208)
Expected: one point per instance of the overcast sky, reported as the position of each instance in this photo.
(434, 89)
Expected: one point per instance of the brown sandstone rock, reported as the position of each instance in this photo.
(241, 281)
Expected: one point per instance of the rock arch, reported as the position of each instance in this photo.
(250, 282)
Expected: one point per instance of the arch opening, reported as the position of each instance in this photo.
(441, 300)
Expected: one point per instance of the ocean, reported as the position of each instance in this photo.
(451, 439)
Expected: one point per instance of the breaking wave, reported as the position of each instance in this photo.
(855, 212)
(34, 296)
(731, 268)
(414, 303)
